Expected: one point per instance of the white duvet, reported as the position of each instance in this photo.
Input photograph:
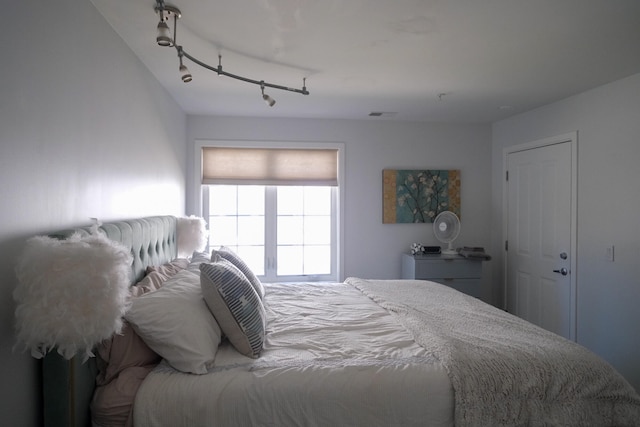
(332, 357)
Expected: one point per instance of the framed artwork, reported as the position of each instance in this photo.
(410, 196)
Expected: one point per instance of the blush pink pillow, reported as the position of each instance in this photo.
(124, 360)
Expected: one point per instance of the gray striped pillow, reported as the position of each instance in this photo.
(235, 304)
(233, 257)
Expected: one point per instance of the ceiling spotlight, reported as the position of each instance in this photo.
(184, 71)
(164, 38)
(186, 75)
(164, 35)
(269, 100)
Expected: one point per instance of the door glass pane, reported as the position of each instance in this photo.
(303, 219)
(317, 200)
(237, 221)
(290, 230)
(290, 260)
(251, 230)
(290, 200)
(222, 231)
(250, 199)
(317, 230)
(317, 260)
(253, 256)
(223, 200)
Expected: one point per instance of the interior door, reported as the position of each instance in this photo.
(540, 241)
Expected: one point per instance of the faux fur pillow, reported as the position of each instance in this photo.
(192, 235)
(71, 294)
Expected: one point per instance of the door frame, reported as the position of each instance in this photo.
(568, 138)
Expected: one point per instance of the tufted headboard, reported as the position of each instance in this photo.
(68, 384)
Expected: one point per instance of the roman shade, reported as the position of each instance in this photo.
(269, 166)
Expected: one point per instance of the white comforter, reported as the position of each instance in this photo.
(422, 354)
(332, 357)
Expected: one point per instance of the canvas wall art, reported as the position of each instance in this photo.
(410, 196)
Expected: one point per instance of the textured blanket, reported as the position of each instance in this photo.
(506, 371)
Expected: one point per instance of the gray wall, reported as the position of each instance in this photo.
(373, 249)
(85, 131)
(608, 123)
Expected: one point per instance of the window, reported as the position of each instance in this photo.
(287, 229)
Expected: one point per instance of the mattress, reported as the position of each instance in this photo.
(331, 357)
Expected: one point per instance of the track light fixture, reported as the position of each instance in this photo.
(184, 71)
(269, 100)
(165, 38)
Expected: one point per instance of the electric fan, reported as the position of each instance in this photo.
(446, 228)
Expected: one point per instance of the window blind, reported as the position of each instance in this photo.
(269, 166)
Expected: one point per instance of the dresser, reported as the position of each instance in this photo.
(463, 274)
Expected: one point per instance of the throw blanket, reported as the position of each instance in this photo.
(506, 371)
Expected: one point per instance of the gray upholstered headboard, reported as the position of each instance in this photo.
(68, 384)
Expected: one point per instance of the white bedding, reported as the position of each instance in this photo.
(392, 353)
(331, 357)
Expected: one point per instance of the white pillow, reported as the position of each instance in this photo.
(174, 321)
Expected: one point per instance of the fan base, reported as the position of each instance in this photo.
(449, 252)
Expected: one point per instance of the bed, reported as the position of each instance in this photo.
(358, 353)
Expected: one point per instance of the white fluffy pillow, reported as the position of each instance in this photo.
(174, 321)
(71, 293)
(192, 235)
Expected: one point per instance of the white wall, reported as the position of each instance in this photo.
(85, 131)
(608, 123)
(373, 249)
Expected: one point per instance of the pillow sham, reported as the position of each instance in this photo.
(149, 283)
(123, 363)
(175, 322)
(113, 405)
(196, 259)
(235, 304)
(157, 275)
(170, 268)
(232, 257)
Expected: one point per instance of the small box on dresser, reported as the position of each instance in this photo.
(463, 274)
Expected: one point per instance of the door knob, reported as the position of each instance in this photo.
(562, 271)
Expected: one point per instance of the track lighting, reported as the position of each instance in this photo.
(184, 71)
(164, 38)
(269, 100)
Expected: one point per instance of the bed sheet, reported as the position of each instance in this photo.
(331, 357)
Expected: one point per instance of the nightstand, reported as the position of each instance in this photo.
(463, 274)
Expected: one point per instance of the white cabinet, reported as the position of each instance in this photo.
(463, 274)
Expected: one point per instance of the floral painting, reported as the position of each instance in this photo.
(419, 195)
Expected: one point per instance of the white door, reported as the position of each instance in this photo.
(540, 245)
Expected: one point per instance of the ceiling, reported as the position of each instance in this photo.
(462, 61)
